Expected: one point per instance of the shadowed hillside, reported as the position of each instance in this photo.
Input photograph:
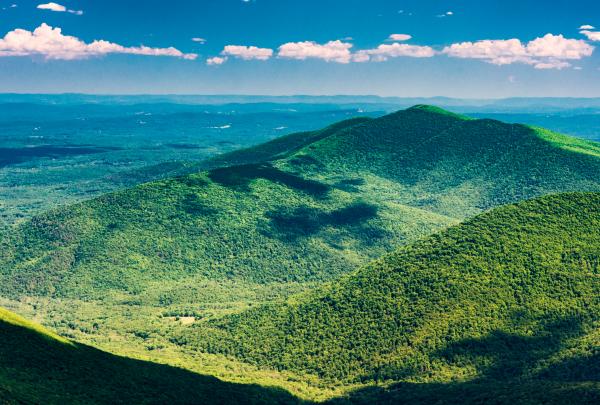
(36, 366)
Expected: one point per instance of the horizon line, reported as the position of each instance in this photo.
(286, 95)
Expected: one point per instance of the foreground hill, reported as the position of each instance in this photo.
(37, 366)
(308, 207)
(512, 295)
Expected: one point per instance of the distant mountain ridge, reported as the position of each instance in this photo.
(514, 102)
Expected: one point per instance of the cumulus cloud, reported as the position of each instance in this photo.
(59, 8)
(385, 51)
(587, 27)
(399, 37)
(547, 52)
(52, 7)
(247, 52)
(217, 60)
(51, 43)
(332, 51)
(591, 35)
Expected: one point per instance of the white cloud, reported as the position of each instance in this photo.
(446, 14)
(385, 51)
(591, 35)
(552, 64)
(587, 27)
(58, 8)
(247, 52)
(50, 43)
(499, 52)
(199, 40)
(547, 52)
(217, 60)
(52, 7)
(332, 51)
(399, 37)
(557, 46)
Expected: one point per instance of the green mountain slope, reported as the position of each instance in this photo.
(305, 208)
(278, 148)
(37, 366)
(510, 295)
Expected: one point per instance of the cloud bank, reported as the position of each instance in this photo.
(51, 43)
(547, 52)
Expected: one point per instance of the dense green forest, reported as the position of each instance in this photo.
(310, 207)
(510, 294)
(273, 265)
(502, 308)
(52, 370)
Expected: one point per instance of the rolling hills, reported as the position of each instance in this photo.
(304, 208)
(257, 266)
(509, 297)
(51, 370)
(501, 308)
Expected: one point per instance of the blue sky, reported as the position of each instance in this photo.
(459, 48)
